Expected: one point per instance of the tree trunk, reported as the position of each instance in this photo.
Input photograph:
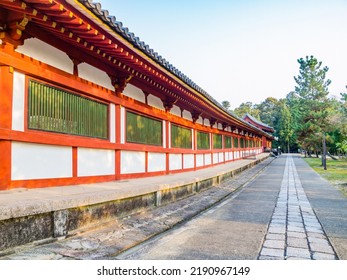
(324, 155)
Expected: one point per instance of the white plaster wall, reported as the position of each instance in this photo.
(95, 162)
(215, 158)
(122, 125)
(45, 53)
(94, 75)
(18, 101)
(37, 161)
(188, 161)
(231, 156)
(133, 162)
(164, 134)
(221, 157)
(155, 102)
(135, 93)
(187, 115)
(199, 160)
(208, 159)
(175, 110)
(156, 162)
(112, 123)
(200, 121)
(237, 154)
(226, 156)
(175, 161)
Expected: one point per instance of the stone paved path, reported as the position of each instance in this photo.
(294, 231)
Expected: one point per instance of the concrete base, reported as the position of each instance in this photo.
(31, 215)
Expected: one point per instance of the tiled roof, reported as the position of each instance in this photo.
(118, 27)
(257, 121)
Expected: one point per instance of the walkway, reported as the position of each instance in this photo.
(270, 219)
(294, 231)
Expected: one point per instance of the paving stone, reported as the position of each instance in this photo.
(323, 256)
(322, 248)
(278, 222)
(298, 252)
(315, 235)
(295, 220)
(295, 224)
(297, 258)
(280, 217)
(318, 240)
(275, 236)
(270, 258)
(297, 229)
(272, 252)
(296, 234)
(277, 229)
(312, 224)
(297, 242)
(277, 244)
(314, 229)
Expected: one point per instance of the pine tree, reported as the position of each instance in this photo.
(312, 90)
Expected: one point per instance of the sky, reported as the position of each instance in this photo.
(242, 50)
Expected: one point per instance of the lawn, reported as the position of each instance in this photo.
(336, 172)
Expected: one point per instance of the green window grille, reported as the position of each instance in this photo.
(181, 137)
(143, 130)
(203, 140)
(227, 142)
(54, 109)
(217, 141)
(236, 142)
(242, 142)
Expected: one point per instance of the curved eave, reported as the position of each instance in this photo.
(89, 30)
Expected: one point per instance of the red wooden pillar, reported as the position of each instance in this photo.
(118, 141)
(74, 163)
(194, 146)
(6, 93)
(167, 145)
(264, 143)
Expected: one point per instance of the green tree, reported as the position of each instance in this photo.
(312, 90)
(285, 125)
(269, 111)
(247, 107)
(226, 105)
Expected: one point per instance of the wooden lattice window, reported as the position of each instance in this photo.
(143, 130)
(181, 137)
(57, 110)
(217, 141)
(227, 142)
(236, 142)
(203, 140)
(242, 142)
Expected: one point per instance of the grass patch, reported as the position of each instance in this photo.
(336, 172)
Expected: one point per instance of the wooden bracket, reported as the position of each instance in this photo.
(195, 116)
(168, 103)
(11, 31)
(212, 122)
(119, 83)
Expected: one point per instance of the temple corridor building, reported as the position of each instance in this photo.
(83, 100)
